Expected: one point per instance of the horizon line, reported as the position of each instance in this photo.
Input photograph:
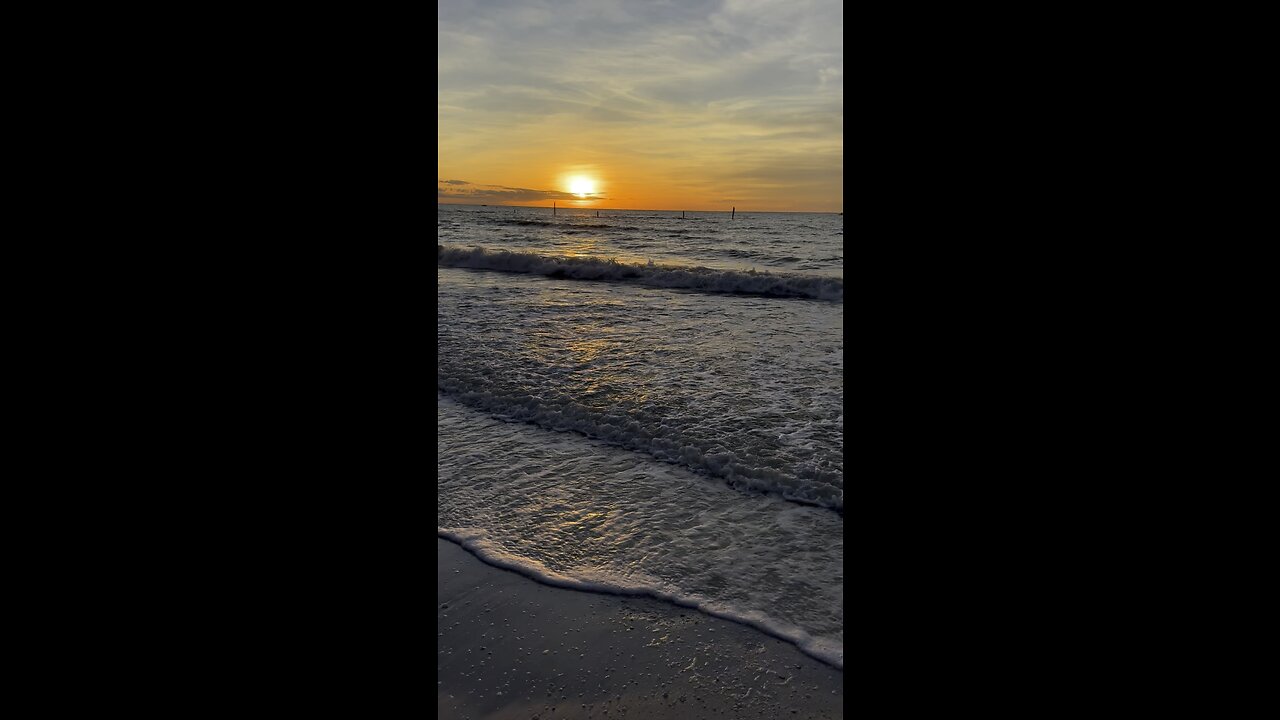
(568, 207)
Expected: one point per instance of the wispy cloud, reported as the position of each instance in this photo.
(499, 193)
(675, 101)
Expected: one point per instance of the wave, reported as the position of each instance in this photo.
(555, 223)
(702, 279)
(824, 649)
(805, 484)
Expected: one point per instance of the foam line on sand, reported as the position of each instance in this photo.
(509, 647)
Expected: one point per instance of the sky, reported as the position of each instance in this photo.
(642, 104)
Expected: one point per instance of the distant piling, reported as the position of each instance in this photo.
(734, 212)
(597, 213)
(553, 209)
(681, 214)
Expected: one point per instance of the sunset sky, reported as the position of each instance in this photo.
(681, 105)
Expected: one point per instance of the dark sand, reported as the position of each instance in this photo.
(510, 647)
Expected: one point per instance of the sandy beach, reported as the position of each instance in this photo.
(510, 647)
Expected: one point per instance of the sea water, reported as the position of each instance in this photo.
(644, 403)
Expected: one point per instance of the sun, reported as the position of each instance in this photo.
(582, 186)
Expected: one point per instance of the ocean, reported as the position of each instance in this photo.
(648, 404)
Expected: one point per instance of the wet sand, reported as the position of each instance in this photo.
(509, 647)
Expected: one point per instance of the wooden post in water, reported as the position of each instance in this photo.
(731, 214)
(681, 214)
(553, 209)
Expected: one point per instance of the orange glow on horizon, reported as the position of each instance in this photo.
(627, 182)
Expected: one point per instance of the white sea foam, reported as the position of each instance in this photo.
(702, 279)
(584, 515)
(827, 650)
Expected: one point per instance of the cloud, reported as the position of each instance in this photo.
(674, 101)
(500, 193)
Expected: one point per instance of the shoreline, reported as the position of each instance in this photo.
(509, 646)
(807, 647)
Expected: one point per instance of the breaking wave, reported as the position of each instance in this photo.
(702, 279)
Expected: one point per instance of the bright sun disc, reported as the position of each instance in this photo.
(581, 186)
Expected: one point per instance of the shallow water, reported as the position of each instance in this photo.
(676, 438)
